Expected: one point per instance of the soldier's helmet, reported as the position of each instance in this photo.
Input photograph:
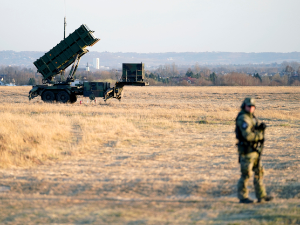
(248, 102)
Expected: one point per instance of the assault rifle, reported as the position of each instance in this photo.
(260, 145)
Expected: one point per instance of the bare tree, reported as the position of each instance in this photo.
(174, 70)
(197, 68)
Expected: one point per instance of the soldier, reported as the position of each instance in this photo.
(250, 139)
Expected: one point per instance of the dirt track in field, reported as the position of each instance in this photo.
(179, 167)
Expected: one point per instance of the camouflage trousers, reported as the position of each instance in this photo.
(249, 163)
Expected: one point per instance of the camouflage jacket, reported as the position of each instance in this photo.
(246, 132)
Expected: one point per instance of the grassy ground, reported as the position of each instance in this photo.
(163, 155)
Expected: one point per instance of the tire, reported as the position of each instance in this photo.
(62, 97)
(73, 98)
(48, 96)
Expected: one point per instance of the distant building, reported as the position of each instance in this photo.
(96, 63)
(2, 77)
(190, 80)
(104, 67)
(10, 84)
(87, 67)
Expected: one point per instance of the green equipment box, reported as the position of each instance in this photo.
(95, 89)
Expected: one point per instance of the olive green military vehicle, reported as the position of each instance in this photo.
(69, 51)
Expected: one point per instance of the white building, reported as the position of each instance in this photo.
(96, 63)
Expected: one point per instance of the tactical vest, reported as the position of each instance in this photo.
(238, 132)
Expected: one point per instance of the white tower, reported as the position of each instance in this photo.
(96, 63)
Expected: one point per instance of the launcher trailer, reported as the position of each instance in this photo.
(68, 51)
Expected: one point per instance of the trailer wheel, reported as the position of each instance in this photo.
(73, 98)
(62, 97)
(48, 96)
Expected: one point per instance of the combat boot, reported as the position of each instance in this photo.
(267, 198)
(246, 201)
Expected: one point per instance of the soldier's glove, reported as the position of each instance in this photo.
(259, 136)
(261, 127)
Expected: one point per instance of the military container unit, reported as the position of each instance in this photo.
(133, 72)
(136, 78)
(68, 51)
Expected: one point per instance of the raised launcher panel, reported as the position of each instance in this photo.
(64, 53)
(133, 72)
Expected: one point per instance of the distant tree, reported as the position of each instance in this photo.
(158, 78)
(285, 80)
(256, 75)
(166, 80)
(168, 70)
(189, 73)
(238, 79)
(265, 81)
(32, 81)
(283, 65)
(206, 72)
(152, 76)
(295, 65)
(174, 70)
(276, 80)
(213, 77)
(289, 69)
(203, 82)
(184, 83)
(197, 75)
(197, 68)
(296, 83)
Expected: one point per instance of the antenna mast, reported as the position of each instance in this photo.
(65, 21)
(62, 74)
(65, 24)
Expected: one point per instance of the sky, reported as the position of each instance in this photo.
(153, 26)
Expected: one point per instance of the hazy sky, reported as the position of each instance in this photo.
(155, 25)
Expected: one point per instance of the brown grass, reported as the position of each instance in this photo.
(161, 155)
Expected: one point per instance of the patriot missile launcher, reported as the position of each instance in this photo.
(69, 51)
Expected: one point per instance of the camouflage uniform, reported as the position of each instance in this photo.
(248, 149)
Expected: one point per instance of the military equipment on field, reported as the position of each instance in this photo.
(65, 53)
(69, 51)
(138, 80)
(95, 89)
(133, 72)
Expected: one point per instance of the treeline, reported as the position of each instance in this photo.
(281, 75)
(230, 79)
(17, 75)
(28, 76)
(284, 74)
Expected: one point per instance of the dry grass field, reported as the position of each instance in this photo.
(163, 155)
